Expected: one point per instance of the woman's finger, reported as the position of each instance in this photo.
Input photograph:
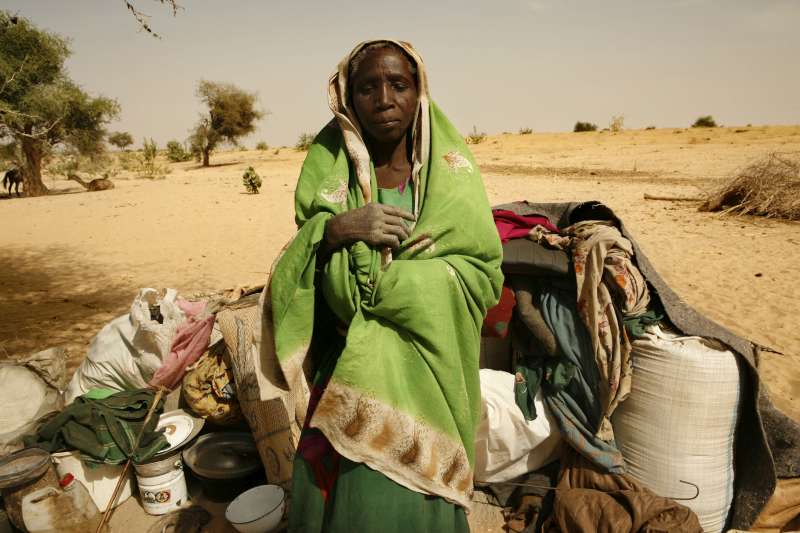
(397, 212)
(390, 240)
(398, 230)
(395, 221)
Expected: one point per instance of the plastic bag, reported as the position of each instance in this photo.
(126, 353)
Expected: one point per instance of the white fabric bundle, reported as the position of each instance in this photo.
(679, 421)
(507, 445)
(125, 354)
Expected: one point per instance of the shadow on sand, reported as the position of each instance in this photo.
(215, 165)
(52, 297)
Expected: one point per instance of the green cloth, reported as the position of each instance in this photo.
(105, 430)
(99, 393)
(367, 501)
(555, 373)
(636, 324)
(396, 198)
(404, 397)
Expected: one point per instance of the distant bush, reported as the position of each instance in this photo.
(128, 161)
(277, 151)
(650, 128)
(705, 122)
(617, 123)
(262, 146)
(475, 137)
(251, 180)
(148, 167)
(525, 131)
(176, 152)
(121, 139)
(584, 126)
(304, 142)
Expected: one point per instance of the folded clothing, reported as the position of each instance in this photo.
(524, 256)
(104, 430)
(513, 226)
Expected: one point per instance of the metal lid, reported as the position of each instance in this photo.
(23, 466)
(225, 455)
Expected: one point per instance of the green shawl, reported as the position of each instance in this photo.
(404, 397)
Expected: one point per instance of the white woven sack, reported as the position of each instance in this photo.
(679, 421)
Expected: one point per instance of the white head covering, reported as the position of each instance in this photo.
(338, 100)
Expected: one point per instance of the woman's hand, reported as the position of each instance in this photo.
(376, 224)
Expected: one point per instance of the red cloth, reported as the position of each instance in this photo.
(513, 226)
(499, 317)
(190, 342)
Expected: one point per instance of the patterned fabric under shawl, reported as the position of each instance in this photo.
(767, 443)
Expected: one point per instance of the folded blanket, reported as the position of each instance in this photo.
(104, 430)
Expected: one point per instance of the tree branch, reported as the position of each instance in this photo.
(143, 19)
(14, 74)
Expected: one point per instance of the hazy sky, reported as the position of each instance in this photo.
(499, 65)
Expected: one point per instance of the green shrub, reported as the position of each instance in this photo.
(304, 142)
(705, 122)
(148, 167)
(176, 152)
(650, 128)
(584, 126)
(251, 180)
(525, 131)
(262, 146)
(127, 161)
(616, 124)
(475, 137)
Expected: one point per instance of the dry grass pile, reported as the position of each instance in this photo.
(769, 188)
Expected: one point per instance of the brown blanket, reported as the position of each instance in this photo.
(767, 443)
(591, 501)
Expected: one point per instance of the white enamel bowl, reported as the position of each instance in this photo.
(258, 510)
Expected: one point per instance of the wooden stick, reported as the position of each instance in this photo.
(673, 198)
(121, 479)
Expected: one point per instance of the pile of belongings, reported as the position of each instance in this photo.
(609, 404)
(201, 349)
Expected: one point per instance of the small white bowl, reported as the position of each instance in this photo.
(258, 510)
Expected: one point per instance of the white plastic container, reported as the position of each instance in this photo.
(163, 493)
(51, 510)
(99, 480)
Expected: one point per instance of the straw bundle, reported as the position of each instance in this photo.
(770, 188)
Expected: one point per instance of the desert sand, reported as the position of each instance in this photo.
(72, 261)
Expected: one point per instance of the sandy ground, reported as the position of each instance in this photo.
(71, 262)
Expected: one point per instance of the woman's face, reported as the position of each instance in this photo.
(384, 93)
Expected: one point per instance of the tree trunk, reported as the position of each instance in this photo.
(206, 154)
(32, 173)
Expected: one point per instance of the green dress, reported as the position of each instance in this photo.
(333, 494)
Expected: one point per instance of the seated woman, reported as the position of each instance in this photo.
(374, 309)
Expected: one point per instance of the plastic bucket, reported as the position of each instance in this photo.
(99, 480)
(162, 485)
